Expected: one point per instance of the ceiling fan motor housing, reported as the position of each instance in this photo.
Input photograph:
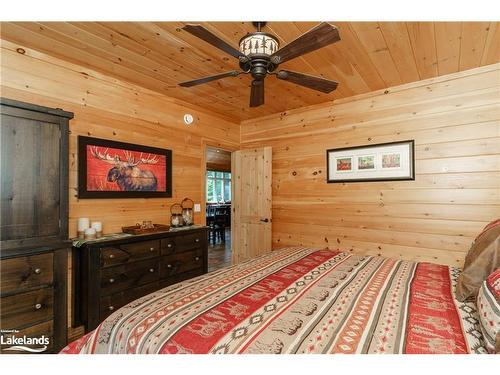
(258, 48)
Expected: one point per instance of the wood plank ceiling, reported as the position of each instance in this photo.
(218, 159)
(159, 55)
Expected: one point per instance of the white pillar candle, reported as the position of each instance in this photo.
(90, 233)
(97, 225)
(83, 223)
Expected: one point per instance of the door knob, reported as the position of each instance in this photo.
(266, 220)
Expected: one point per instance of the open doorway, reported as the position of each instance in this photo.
(218, 207)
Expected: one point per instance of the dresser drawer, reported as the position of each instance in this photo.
(126, 253)
(190, 242)
(179, 244)
(37, 331)
(25, 309)
(182, 262)
(168, 246)
(118, 278)
(111, 303)
(26, 272)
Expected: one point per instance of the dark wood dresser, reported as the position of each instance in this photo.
(34, 295)
(34, 244)
(112, 273)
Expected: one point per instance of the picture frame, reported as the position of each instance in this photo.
(111, 169)
(393, 161)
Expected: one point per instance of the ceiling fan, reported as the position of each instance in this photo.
(259, 55)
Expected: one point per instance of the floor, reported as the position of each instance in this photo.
(219, 255)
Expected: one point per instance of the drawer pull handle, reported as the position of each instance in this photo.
(111, 308)
(151, 249)
(197, 240)
(151, 270)
(197, 258)
(169, 266)
(169, 245)
(111, 256)
(38, 271)
(111, 281)
(38, 306)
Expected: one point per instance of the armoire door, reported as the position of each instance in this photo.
(251, 221)
(34, 165)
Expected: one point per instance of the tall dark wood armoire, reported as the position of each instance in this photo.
(34, 242)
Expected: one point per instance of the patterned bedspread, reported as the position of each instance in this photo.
(298, 300)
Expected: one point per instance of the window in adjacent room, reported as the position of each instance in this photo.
(218, 186)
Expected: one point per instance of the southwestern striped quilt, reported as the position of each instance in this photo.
(298, 300)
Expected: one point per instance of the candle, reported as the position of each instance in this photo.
(90, 234)
(97, 225)
(83, 223)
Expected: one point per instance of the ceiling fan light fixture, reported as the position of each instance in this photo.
(258, 44)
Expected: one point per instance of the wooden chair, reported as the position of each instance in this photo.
(228, 216)
(220, 219)
(210, 212)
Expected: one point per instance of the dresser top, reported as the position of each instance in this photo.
(115, 238)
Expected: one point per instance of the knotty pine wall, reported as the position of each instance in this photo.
(455, 122)
(107, 108)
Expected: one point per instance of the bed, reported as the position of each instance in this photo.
(298, 300)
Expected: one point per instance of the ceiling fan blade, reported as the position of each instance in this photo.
(202, 33)
(315, 83)
(318, 37)
(257, 93)
(199, 81)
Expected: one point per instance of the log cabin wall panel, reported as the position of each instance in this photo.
(455, 122)
(105, 107)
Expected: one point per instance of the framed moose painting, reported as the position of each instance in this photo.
(382, 162)
(109, 169)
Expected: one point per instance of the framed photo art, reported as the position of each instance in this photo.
(382, 162)
(109, 169)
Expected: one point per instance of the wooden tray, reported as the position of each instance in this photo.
(136, 229)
